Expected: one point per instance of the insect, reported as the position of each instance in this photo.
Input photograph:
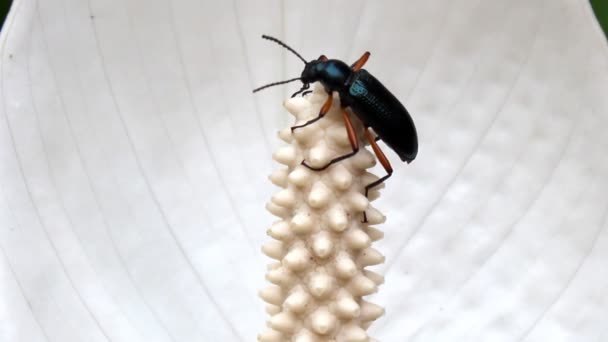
(371, 102)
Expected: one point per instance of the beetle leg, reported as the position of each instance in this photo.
(383, 161)
(304, 87)
(352, 138)
(360, 62)
(376, 134)
(322, 112)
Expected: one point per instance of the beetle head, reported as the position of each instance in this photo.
(312, 70)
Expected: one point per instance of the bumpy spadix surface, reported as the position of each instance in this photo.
(320, 243)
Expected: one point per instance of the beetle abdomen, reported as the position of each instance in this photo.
(381, 110)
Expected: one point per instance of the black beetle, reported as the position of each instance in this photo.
(371, 102)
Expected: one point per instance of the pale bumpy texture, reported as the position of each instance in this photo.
(320, 244)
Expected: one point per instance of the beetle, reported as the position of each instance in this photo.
(367, 98)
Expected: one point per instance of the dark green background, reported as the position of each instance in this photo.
(599, 6)
(4, 6)
(601, 12)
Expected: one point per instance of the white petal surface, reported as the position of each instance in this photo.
(134, 163)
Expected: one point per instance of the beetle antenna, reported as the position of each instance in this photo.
(285, 46)
(275, 83)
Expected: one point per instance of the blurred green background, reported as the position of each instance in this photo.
(4, 7)
(599, 6)
(601, 12)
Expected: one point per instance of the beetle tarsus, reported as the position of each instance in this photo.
(331, 162)
(304, 87)
(383, 161)
(322, 112)
(352, 138)
(293, 128)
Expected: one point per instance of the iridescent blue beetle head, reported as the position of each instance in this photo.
(312, 70)
(332, 73)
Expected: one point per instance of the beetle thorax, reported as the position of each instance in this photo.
(333, 73)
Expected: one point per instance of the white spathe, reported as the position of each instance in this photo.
(134, 163)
